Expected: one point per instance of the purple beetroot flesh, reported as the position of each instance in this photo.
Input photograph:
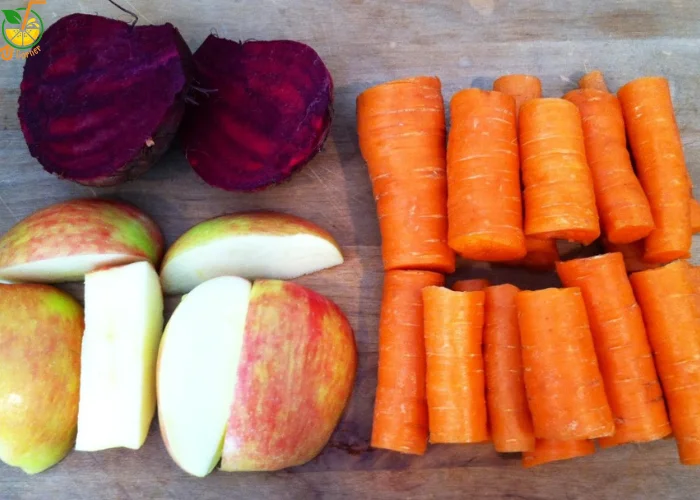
(264, 111)
(102, 101)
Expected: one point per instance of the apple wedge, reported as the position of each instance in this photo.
(251, 245)
(65, 241)
(123, 325)
(197, 362)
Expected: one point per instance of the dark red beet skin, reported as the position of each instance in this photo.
(102, 101)
(264, 111)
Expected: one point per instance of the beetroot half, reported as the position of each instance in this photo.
(103, 100)
(264, 111)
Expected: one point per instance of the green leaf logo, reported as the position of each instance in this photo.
(12, 16)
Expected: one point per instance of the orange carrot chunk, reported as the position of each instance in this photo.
(563, 382)
(656, 145)
(622, 205)
(623, 351)
(694, 216)
(454, 324)
(632, 254)
(484, 202)
(552, 450)
(559, 195)
(401, 127)
(400, 407)
(509, 415)
(593, 80)
(672, 317)
(472, 285)
(541, 254)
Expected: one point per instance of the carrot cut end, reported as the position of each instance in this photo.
(488, 248)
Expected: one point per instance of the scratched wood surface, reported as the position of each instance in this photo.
(364, 43)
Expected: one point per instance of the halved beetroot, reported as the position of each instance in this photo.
(265, 110)
(103, 100)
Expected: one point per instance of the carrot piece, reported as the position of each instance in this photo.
(623, 207)
(670, 310)
(564, 386)
(559, 196)
(695, 278)
(552, 450)
(454, 324)
(401, 127)
(623, 351)
(593, 80)
(400, 407)
(506, 401)
(694, 216)
(521, 87)
(632, 254)
(656, 145)
(484, 201)
(541, 254)
(472, 285)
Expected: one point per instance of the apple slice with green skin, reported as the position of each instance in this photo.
(197, 363)
(40, 332)
(65, 241)
(251, 245)
(123, 326)
(295, 375)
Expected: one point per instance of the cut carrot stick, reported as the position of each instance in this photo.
(656, 145)
(671, 314)
(541, 254)
(623, 207)
(623, 351)
(400, 408)
(593, 80)
(694, 272)
(484, 201)
(552, 450)
(559, 195)
(509, 415)
(564, 386)
(401, 127)
(454, 324)
(694, 216)
(472, 285)
(632, 254)
(521, 87)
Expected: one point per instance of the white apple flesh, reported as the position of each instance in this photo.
(123, 326)
(198, 359)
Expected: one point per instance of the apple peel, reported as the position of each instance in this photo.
(252, 245)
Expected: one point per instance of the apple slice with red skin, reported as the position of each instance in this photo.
(65, 241)
(252, 245)
(257, 376)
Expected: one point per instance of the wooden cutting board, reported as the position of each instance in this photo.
(465, 43)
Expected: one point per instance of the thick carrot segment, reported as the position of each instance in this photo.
(559, 195)
(623, 207)
(669, 305)
(521, 87)
(694, 273)
(632, 254)
(506, 400)
(656, 145)
(564, 386)
(401, 127)
(552, 450)
(473, 285)
(541, 254)
(484, 201)
(623, 351)
(400, 408)
(454, 324)
(593, 80)
(694, 216)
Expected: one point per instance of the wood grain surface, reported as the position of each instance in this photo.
(364, 42)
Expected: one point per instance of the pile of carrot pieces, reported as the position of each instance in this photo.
(613, 356)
